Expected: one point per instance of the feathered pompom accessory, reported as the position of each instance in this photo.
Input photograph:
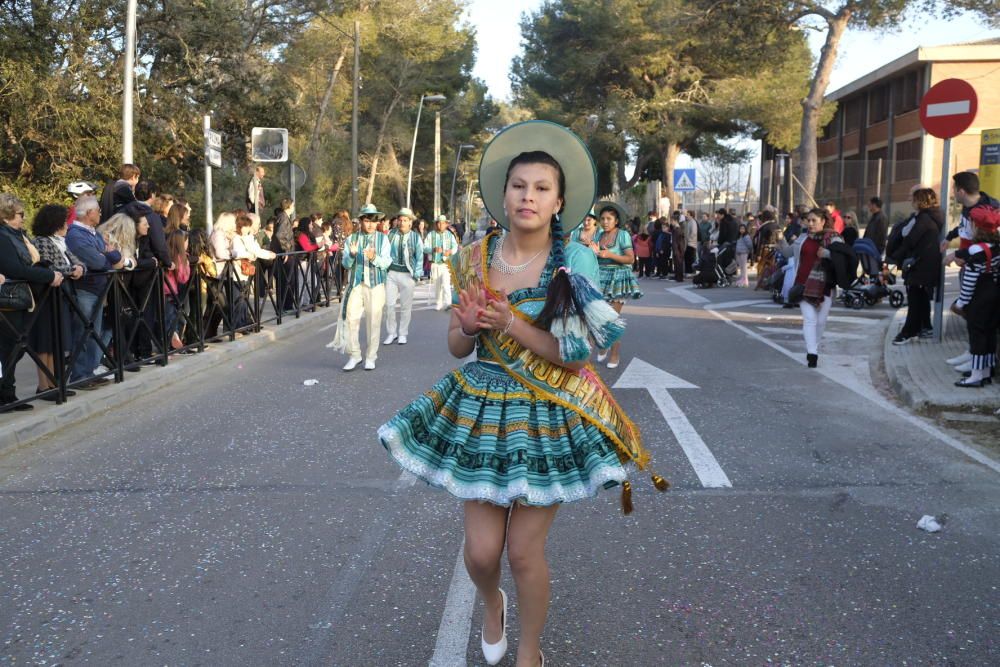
(339, 342)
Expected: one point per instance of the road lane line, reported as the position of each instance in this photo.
(727, 305)
(687, 293)
(826, 334)
(702, 460)
(832, 318)
(919, 422)
(456, 623)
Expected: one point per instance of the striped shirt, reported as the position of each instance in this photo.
(976, 263)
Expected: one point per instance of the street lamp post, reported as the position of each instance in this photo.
(354, 119)
(437, 164)
(413, 148)
(454, 179)
(129, 85)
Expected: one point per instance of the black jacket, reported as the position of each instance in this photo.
(876, 230)
(729, 230)
(283, 239)
(115, 197)
(156, 240)
(843, 264)
(921, 244)
(15, 261)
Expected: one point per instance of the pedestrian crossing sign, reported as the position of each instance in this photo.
(684, 180)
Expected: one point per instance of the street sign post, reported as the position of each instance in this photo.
(293, 177)
(685, 180)
(213, 148)
(207, 127)
(989, 161)
(946, 110)
(269, 144)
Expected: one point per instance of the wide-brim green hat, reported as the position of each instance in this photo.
(441, 218)
(539, 135)
(369, 210)
(607, 203)
(404, 212)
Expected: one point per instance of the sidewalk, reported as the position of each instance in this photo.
(19, 429)
(923, 380)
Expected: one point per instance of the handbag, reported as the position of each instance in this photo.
(795, 294)
(248, 267)
(16, 296)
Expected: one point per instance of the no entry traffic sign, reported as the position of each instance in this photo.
(948, 108)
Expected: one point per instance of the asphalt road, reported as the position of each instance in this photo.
(246, 519)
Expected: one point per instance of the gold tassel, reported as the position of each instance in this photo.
(660, 483)
(627, 498)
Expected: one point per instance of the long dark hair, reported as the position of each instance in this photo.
(559, 297)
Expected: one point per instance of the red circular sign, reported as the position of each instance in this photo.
(948, 108)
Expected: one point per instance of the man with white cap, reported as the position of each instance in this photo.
(441, 245)
(366, 258)
(407, 251)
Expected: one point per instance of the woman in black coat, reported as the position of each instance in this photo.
(919, 254)
(17, 262)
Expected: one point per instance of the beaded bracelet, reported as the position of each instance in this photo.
(510, 323)
(461, 330)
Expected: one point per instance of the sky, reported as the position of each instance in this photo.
(499, 38)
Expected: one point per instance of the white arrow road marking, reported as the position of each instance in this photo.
(688, 294)
(641, 375)
(456, 622)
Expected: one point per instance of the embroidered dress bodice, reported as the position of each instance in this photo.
(617, 242)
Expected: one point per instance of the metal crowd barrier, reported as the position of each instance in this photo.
(141, 311)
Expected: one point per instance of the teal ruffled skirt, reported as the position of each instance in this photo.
(481, 435)
(618, 283)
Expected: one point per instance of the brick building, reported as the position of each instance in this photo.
(875, 145)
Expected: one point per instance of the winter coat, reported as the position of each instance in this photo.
(921, 246)
(876, 230)
(744, 246)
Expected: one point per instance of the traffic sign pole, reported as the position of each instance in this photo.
(945, 196)
(946, 110)
(207, 124)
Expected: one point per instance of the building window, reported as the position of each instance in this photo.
(854, 168)
(832, 129)
(828, 176)
(853, 109)
(908, 157)
(873, 171)
(907, 90)
(878, 105)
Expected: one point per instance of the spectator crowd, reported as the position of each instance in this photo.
(177, 285)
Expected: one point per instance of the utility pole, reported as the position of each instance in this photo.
(437, 164)
(129, 85)
(354, 119)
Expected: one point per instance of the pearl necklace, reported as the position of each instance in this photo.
(501, 265)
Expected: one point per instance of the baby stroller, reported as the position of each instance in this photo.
(875, 281)
(726, 267)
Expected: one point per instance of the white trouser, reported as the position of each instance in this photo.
(367, 303)
(398, 284)
(813, 322)
(441, 282)
(789, 278)
(741, 261)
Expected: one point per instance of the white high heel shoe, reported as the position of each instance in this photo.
(601, 355)
(960, 359)
(494, 653)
